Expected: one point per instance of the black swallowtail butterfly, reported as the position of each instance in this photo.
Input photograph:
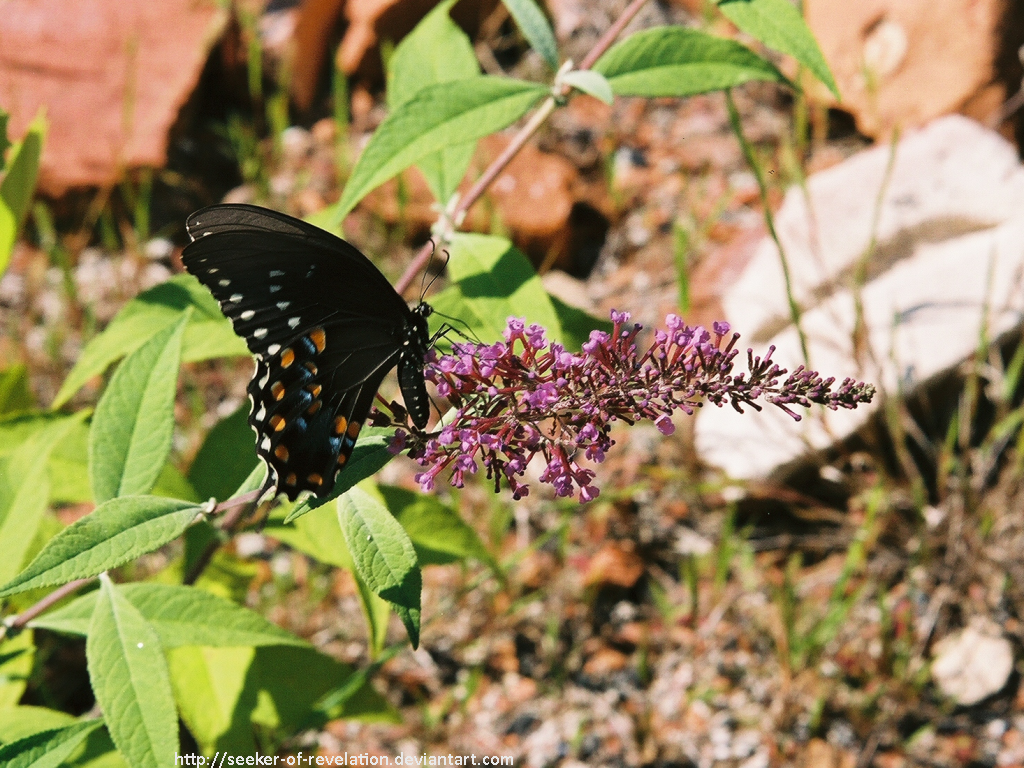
(325, 326)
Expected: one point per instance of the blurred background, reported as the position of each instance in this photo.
(748, 592)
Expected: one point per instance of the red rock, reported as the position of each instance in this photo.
(314, 30)
(371, 21)
(820, 754)
(112, 76)
(605, 661)
(536, 569)
(539, 199)
(533, 197)
(900, 63)
(615, 563)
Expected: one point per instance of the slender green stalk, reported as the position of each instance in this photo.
(769, 220)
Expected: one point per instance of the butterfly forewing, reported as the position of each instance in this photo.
(325, 326)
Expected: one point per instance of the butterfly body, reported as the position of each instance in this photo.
(325, 327)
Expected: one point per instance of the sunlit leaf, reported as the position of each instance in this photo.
(438, 116)
(131, 681)
(130, 437)
(113, 534)
(779, 25)
(676, 61)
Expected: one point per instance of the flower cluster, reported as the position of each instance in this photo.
(525, 396)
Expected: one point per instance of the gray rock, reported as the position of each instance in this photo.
(947, 261)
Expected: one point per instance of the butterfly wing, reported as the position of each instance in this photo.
(324, 324)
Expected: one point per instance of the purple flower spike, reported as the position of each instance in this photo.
(524, 396)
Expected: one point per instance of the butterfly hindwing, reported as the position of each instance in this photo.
(325, 326)
(305, 440)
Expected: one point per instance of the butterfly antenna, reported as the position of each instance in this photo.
(447, 258)
(424, 285)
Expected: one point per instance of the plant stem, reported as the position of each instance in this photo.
(518, 142)
(18, 622)
(769, 220)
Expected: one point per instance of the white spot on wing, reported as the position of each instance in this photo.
(224, 283)
(275, 288)
(259, 333)
(283, 305)
(235, 298)
(265, 445)
(276, 273)
(273, 349)
(248, 315)
(293, 322)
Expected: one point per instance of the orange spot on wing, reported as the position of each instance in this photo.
(342, 458)
(281, 452)
(287, 357)
(315, 479)
(319, 339)
(314, 408)
(291, 479)
(314, 390)
(311, 367)
(278, 423)
(353, 429)
(277, 390)
(340, 425)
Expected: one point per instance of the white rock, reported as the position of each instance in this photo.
(948, 261)
(972, 664)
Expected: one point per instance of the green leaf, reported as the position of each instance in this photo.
(46, 749)
(223, 692)
(98, 752)
(535, 28)
(437, 532)
(113, 534)
(17, 655)
(131, 432)
(19, 182)
(494, 281)
(411, 620)
(208, 334)
(180, 616)
(15, 394)
(368, 458)
(779, 25)
(226, 458)
(5, 142)
(68, 465)
(131, 681)
(577, 324)
(436, 51)
(174, 485)
(8, 235)
(438, 116)
(383, 554)
(208, 686)
(18, 186)
(590, 82)
(318, 534)
(377, 612)
(26, 493)
(675, 61)
(21, 721)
